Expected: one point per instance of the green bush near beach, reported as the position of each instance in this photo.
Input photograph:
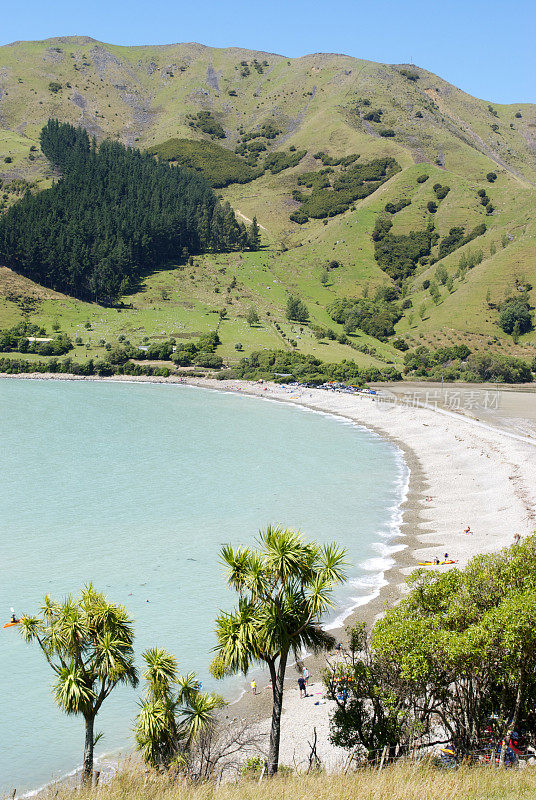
(453, 661)
(286, 367)
(458, 363)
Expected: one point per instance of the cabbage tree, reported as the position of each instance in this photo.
(284, 586)
(173, 713)
(87, 643)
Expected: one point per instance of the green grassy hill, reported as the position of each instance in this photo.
(232, 98)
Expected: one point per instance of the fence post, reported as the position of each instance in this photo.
(384, 753)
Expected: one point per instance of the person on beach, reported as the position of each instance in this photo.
(446, 557)
(302, 686)
(436, 561)
(306, 676)
(468, 530)
(517, 537)
(253, 686)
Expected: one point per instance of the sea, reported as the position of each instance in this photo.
(135, 487)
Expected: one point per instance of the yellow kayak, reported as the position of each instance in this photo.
(434, 564)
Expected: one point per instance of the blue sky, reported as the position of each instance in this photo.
(487, 48)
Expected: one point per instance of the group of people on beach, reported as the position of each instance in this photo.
(445, 558)
(303, 682)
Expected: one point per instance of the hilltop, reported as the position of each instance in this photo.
(290, 141)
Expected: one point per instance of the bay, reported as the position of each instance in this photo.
(135, 487)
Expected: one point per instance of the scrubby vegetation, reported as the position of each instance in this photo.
(17, 366)
(24, 338)
(218, 165)
(410, 74)
(333, 193)
(398, 205)
(441, 191)
(332, 161)
(284, 367)
(457, 238)
(114, 212)
(207, 123)
(399, 254)
(516, 315)
(451, 663)
(376, 317)
(277, 162)
(458, 363)
(297, 310)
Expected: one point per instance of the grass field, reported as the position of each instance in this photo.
(143, 96)
(398, 782)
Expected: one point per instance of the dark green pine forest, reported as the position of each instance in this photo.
(114, 214)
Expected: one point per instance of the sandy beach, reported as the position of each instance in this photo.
(471, 465)
(468, 467)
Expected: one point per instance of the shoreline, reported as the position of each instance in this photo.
(462, 471)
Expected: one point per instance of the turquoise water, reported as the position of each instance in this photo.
(135, 487)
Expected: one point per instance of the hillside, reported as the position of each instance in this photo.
(330, 106)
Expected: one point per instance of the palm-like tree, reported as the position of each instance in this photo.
(88, 644)
(173, 713)
(284, 587)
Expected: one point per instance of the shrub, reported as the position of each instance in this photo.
(206, 122)
(382, 226)
(394, 208)
(252, 317)
(432, 207)
(441, 191)
(386, 294)
(441, 275)
(208, 360)
(372, 317)
(8, 160)
(494, 367)
(398, 255)
(54, 87)
(374, 116)
(422, 178)
(410, 74)
(277, 162)
(425, 284)
(518, 115)
(387, 132)
(515, 311)
(401, 344)
(491, 177)
(353, 183)
(297, 310)
(296, 366)
(218, 165)
(449, 243)
(299, 217)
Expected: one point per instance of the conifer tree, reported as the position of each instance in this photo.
(254, 235)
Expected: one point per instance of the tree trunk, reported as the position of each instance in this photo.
(278, 680)
(515, 718)
(87, 771)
